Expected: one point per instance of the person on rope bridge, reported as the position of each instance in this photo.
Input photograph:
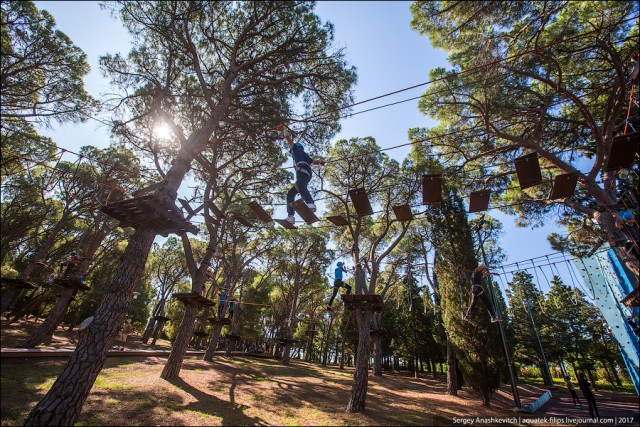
(222, 298)
(477, 291)
(72, 264)
(208, 277)
(338, 283)
(302, 164)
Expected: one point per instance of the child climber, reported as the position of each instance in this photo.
(477, 290)
(302, 164)
(338, 283)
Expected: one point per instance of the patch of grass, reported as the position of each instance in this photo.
(258, 377)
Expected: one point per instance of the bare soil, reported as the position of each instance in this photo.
(237, 391)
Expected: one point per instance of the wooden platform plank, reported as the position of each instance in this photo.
(623, 151)
(303, 210)
(432, 189)
(479, 201)
(403, 212)
(360, 201)
(366, 302)
(149, 210)
(338, 220)
(200, 333)
(193, 298)
(242, 220)
(286, 224)
(216, 321)
(285, 341)
(233, 337)
(23, 284)
(564, 186)
(259, 211)
(528, 170)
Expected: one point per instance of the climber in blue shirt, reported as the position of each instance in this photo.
(302, 164)
(338, 283)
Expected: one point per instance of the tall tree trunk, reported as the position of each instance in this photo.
(179, 349)
(344, 333)
(9, 295)
(357, 403)
(44, 332)
(377, 355)
(286, 354)
(157, 331)
(452, 370)
(213, 343)
(63, 402)
(325, 346)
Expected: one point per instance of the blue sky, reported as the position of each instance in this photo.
(379, 41)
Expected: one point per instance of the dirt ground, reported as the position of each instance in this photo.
(239, 391)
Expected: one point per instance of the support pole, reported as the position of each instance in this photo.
(514, 386)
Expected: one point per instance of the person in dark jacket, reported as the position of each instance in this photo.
(585, 386)
(477, 291)
(302, 165)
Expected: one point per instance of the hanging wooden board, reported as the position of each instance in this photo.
(286, 224)
(366, 302)
(431, 189)
(564, 186)
(185, 205)
(360, 201)
(479, 201)
(403, 212)
(623, 151)
(338, 220)
(259, 211)
(528, 170)
(212, 206)
(242, 220)
(303, 210)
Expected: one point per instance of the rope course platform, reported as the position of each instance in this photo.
(200, 333)
(564, 186)
(303, 210)
(403, 212)
(71, 284)
(148, 209)
(161, 318)
(623, 151)
(216, 321)
(18, 283)
(286, 224)
(260, 212)
(360, 201)
(528, 170)
(479, 200)
(285, 341)
(193, 298)
(338, 220)
(231, 337)
(432, 189)
(364, 302)
(375, 332)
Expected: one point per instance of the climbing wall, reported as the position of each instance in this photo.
(607, 282)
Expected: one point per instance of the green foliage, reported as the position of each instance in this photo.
(42, 70)
(543, 77)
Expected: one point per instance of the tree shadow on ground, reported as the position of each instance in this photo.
(231, 413)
